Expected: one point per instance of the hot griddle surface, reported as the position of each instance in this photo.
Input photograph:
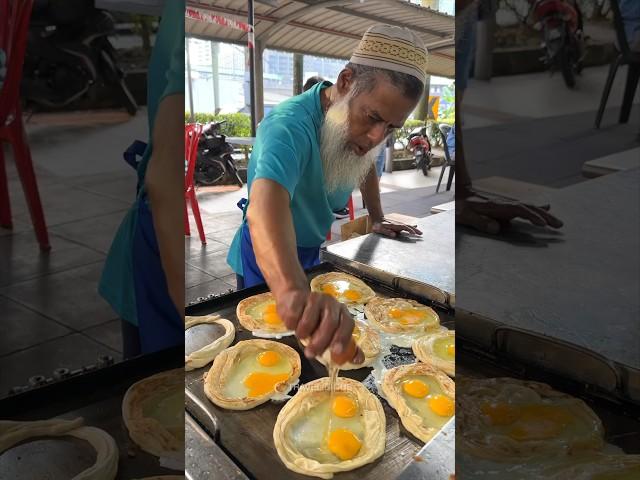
(621, 420)
(247, 436)
(96, 397)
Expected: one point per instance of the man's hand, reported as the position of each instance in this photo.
(489, 215)
(393, 229)
(323, 321)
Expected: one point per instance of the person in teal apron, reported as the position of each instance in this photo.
(309, 154)
(143, 276)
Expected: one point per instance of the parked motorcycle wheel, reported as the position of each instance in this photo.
(214, 174)
(232, 172)
(426, 164)
(566, 66)
(116, 79)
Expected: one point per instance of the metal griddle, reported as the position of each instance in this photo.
(426, 262)
(246, 437)
(621, 418)
(96, 397)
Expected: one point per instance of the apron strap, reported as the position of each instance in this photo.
(136, 149)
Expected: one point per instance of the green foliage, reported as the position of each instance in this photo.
(448, 96)
(237, 124)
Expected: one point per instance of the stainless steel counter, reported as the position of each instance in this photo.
(429, 259)
(577, 286)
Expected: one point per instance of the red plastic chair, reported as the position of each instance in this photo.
(14, 24)
(192, 132)
(352, 214)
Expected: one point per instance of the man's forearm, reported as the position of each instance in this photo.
(273, 237)
(370, 190)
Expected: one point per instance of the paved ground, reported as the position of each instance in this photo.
(532, 128)
(52, 315)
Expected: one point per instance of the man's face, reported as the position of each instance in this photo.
(353, 130)
(374, 115)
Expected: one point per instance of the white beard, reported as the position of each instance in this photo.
(343, 168)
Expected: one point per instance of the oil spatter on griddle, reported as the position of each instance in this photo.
(398, 356)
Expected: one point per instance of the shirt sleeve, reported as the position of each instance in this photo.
(282, 155)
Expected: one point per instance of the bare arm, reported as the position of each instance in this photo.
(370, 190)
(164, 182)
(273, 237)
(314, 316)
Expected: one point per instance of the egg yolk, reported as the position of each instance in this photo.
(441, 405)
(344, 444)
(270, 315)
(451, 349)
(408, 316)
(415, 388)
(500, 414)
(539, 422)
(261, 383)
(352, 295)
(344, 407)
(268, 358)
(330, 289)
(528, 422)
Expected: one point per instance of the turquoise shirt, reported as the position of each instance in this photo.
(287, 151)
(165, 77)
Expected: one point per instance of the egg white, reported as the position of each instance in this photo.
(168, 409)
(440, 348)
(234, 386)
(309, 432)
(421, 405)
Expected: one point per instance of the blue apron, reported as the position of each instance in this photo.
(251, 274)
(160, 325)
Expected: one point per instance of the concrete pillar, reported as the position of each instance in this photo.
(259, 81)
(217, 104)
(486, 27)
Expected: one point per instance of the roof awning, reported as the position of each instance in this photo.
(327, 28)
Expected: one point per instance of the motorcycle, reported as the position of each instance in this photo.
(69, 56)
(561, 25)
(421, 148)
(214, 164)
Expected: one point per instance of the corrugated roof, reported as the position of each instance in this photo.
(329, 28)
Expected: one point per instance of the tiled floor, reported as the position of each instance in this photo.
(52, 315)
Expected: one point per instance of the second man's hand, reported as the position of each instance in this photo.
(490, 215)
(322, 321)
(393, 229)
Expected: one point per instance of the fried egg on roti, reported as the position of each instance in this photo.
(510, 420)
(343, 287)
(251, 373)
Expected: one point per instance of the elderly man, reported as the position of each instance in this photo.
(310, 153)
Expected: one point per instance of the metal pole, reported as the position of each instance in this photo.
(485, 30)
(191, 116)
(216, 82)
(259, 79)
(297, 73)
(252, 67)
